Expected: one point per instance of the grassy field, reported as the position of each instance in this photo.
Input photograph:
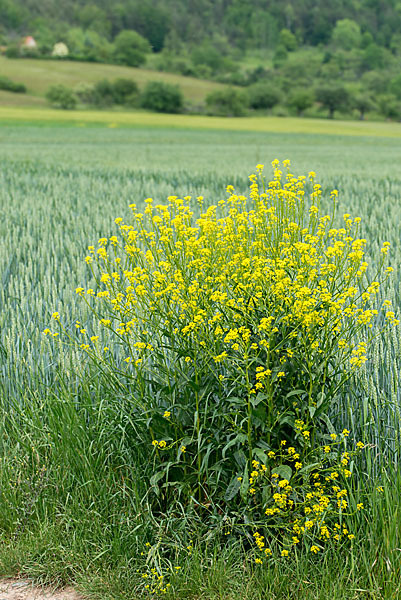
(70, 507)
(278, 125)
(39, 75)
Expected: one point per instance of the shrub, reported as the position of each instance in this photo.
(162, 97)
(300, 100)
(389, 106)
(333, 97)
(363, 102)
(395, 86)
(257, 74)
(11, 86)
(288, 40)
(130, 48)
(280, 56)
(13, 51)
(125, 91)
(61, 96)
(104, 93)
(227, 102)
(85, 92)
(207, 55)
(263, 96)
(233, 333)
(88, 45)
(60, 50)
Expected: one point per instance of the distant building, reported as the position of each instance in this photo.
(60, 49)
(29, 43)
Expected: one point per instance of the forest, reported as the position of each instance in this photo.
(242, 24)
(343, 55)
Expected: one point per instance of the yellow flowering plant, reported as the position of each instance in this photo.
(308, 504)
(228, 324)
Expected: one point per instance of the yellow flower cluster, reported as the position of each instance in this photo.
(315, 506)
(154, 583)
(261, 275)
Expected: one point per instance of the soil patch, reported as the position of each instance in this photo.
(24, 589)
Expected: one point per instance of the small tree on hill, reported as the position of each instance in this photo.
(346, 34)
(103, 93)
(333, 97)
(280, 56)
(395, 86)
(363, 103)
(263, 96)
(288, 40)
(300, 100)
(125, 91)
(162, 97)
(227, 102)
(61, 96)
(130, 48)
(85, 92)
(389, 106)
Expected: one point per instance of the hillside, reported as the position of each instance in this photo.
(38, 75)
(308, 57)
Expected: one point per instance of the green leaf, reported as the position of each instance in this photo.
(240, 458)
(266, 494)
(232, 489)
(235, 400)
(296, 393)
(283, 471)
(308, 468)
(329, 424)
(245, 484)
(255, 400)
(320, 399)
(237, 440)
(260, 455)
(155, 479)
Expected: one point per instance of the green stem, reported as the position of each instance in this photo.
(199, 461)
(249, 408)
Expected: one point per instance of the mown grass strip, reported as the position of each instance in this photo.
(261, 124)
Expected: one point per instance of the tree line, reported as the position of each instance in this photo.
(243, 24)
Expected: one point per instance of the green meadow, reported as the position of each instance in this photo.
(39, 75)
(74, 481)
